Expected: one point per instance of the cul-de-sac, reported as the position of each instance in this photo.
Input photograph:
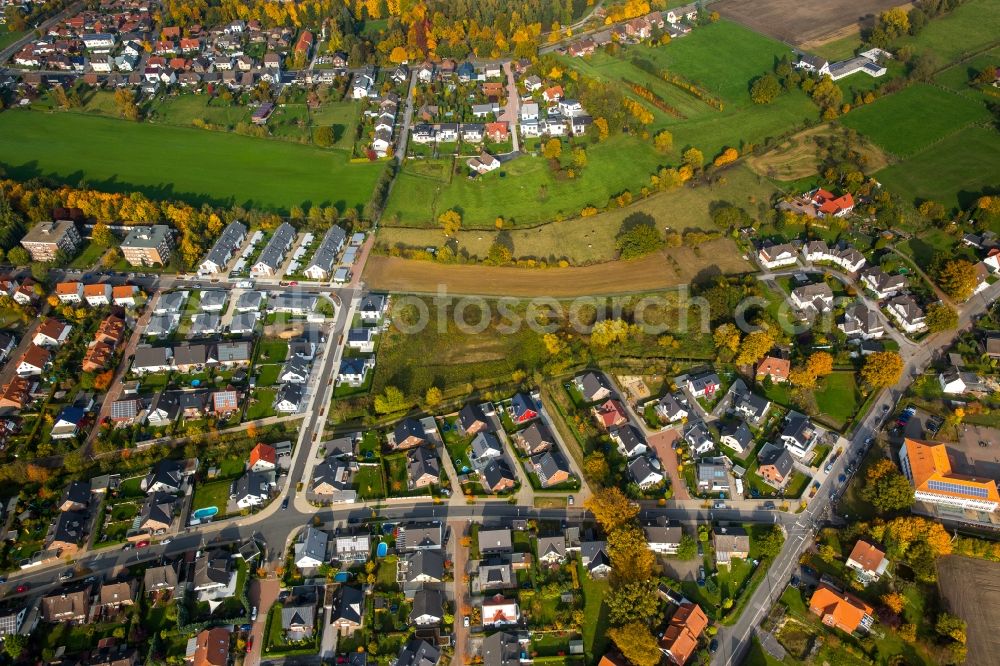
(499, 332)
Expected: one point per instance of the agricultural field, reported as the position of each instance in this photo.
(969, 28)
(524, 191)
(971, 590)
(588, 240)
(194, 165)
(911, 120)
(797, 156)
(958, 76)
(803, 24)
(660, 270)
(954, 172)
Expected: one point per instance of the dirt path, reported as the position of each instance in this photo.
(657, 271)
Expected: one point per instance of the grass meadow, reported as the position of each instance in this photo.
(174, 162)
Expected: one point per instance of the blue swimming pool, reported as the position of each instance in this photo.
(342, 577)
(206, 512)
(382, 549)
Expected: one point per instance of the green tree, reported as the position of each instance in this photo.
(632, 602)
(451, 222)
(636, 643)
(882, 369)
(103, 236)
(765, 89)
(663, 142)
(827, 94)
(687, 549)
(391, 400)
(552, 149)
(693, 158)
(769, 544)
(951, 626)
(886, 488)
(323, 136)
(14, 645)
(940, 317)
(18, 256)
(638, 241)
(611, 508)
(957, 278)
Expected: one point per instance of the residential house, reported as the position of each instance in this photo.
(534, 439)
(495, 542)
(523, 407)
(294, 304)
(817, 297)
(473, 419)
(737, 436)
(418, 652)
(776, 365)
(499, 611)
(776, 256)
(551, 467)
(829, 205)
(407, 434)
(483, 163)
(704, 385)
(502, 649)
(592, 386)
(645, 472)
(168, 476)
(212, 647)
(750, 406)
(310, 549)
(348, 608)
(671, 409)
(861, 322)
(66, 606)
(16, 394)
(880, 284)
(263, 458)
(813, 64)
(420, 536)
(730, 543)
(422, 566)
(273, 255)
(774, 464)
(422, 467)
(428, 608)
(113, 596)
(712, 476)
(839, 609)
(163, 409)
(551, 550)
(610, 414)
(253, 489)
(159, 579)
(799, 435)
(289, 398)
(629, 440)
(67, 533)
(698, 437)
(76, 497)
(157, 513)
(152, 359)
(225, 247)
(373, 307)
(68, 423)
(663, 538)
(295, 371)
(213, 571)
(321, 266)
(69, 292)
(353, 548)
(331, 478)
(51, 333)
(868, 560)
(680, 639)
(594, 558)
(908, 315)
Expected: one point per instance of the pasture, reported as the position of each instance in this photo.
(173, 162)
(909, 121)
(661, 270)
(524, 191)
(969, 28)
(588, 240)
(954, 172)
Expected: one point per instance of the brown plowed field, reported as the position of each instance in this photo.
(661, 270)
(971, 589)
(803, 24)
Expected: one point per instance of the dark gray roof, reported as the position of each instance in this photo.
(349, 604)
(192, 354)
(273, 253)
(233, 352)
(212, 568)
(150, 357)
(409, 427)
(227, 243)
(501, 649)
(421, 462)
(471, 414)
(252, 483)
(158, 507)
(427, 602)
(69, 527)
(414, 536)
(549, 463)
(641, 469)
(740, 432)
(428, 563)
(591, 382)
(778, 456)
(629, 436)
(290, 392)
(327, 251)
(77, 492)
(418, 653)
(249, 300)
(495, 472)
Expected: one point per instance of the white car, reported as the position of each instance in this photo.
(253, 614)
(465, 621)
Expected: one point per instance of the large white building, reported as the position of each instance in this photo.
(928, 468)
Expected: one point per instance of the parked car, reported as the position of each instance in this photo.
(65, 575)
(465, 621)
(23, 587)
(701, 576)
(249, 645)
(253, 614)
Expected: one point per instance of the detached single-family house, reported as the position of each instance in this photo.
(593, 386)
(348, 608)
(774, 464)
(500, 611)
(704, 384)
(776, 256)
(645, 472)
(629, 441)
(799, 435)
(839, 609)
(817, 297)
(868, 561)
(861, 322)
(737, 436)
(908, 315)
(428, 608)
(51, 333)
(671, 409)
(310, 549)
(610, 414)
(881, 284)
(730, 543)
(534, 439)
(713, 477)
(595, 559)
(523, 407)
(551, 467)
(698, 437)
(407, 434)
(422, 467)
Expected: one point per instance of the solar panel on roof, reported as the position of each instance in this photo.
(958, 489)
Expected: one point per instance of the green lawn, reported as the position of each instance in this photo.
(198, 166)
(267, 375)
(342, 117)
(954, 172)
(369, 482)
(908, 121)
(183, 109)
(524, 191)
(88, 256)
(263, 404)
(595, 614)
(213, 493)
(965, 30)
(838, 397)
(272, 351)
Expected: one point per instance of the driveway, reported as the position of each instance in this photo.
(512, 108)
(262, 594)
(662, 443)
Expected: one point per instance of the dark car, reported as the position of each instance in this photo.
(23, 587)
(353, 520)
(713, 645)
(284, 504)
